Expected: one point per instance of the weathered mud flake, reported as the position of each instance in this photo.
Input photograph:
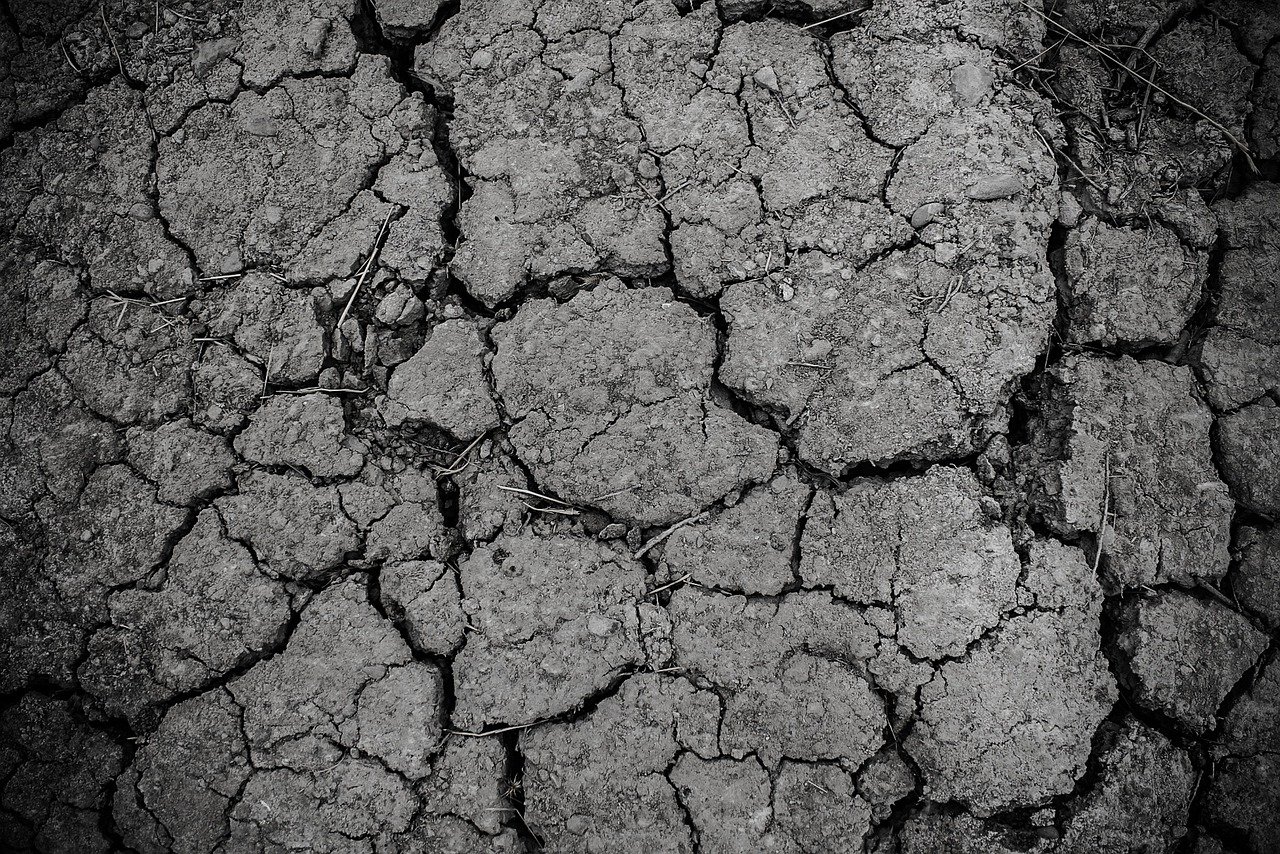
(1240, 356)
(130, 364)
(185, 463)
(1257, 579)
(295, 39)
(225, 388)
(402, 20)
(1183, 655)
(423, 596)
(883, 782)
(444, 383)
(57, 771)
(1009, 725)
(1132, 438)
(82, 186)
(1141, 799)
(465, 802)
(250, 182)
(114, 533)
(599, 781)
(399, 513)
(275, 325)
(531, 657)
(796, 673)
(1200, 64)
(484, 508)
(40, 305)
(307, 431)
(747, 548)
(816, 808)
(540, 126)
(214, 613)
(1129, 286)
(925, 547)
(1248, 442)
(1245, 794)
(618, 374)
(298, 530)
(728, 801)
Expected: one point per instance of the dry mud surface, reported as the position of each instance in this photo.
(628, 426)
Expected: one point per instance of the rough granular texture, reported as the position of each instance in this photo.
(516, 426)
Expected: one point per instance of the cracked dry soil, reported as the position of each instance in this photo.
(632, 426)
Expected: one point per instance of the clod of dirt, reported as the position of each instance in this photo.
(1009, 724)
(611, 395)
(1256, 582)
(600, 782)
(727, 801)
(1264, 132)
(1200, 64)
(40, 305)
(534, 656)
(884, 781)
(1130, 286)
(44, 631)
(249, 183)
(225, 388)
(1246, 793)
(923, 547)
(130, 363)
(444, 384)
(484, 508)
(399, 514)
(1240, 356)
(794, 673)
(1140, 801)
(83, 185)
(214, 612)
(1183, 655)
(747, 548)
(186, 464)
(297, 529)
(405, 20)
(56, 770)
(1118, 450)
(295, 39)
(306, 431)
(274, 325)
(423, 597)
(1248, 442)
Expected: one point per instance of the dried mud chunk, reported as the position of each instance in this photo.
(815, 809)
(57, 771)
(40, 305)
(274, 325)
(483, 509)
(923, 546)
(1245, 793)
(1200, 64)
(467, 795)
(214, 613)
(1133, 436)
(297, 529)
(225, 389)
(185, 777)
(624, 375)
(932, 354)
(536, 654)
(1183, 655)
(82, 186)
(1129, 286)
(52, 444)
(795, 672)
(346, 682)
(125, 368)
(305, 430)
(1141, 800)
(1265, 130)
(115, 533)
(884, 781)
(1249, 443)
(399, 513)
(748, 547)
(402, 20)
(727, 801)
(1256, 582)
(598, 783)
(1240, 357)
(44, 631)
(444, 384)
(250, 182)
(1009, 725)
(423, 596)
(185, 464)
(540, 127)
(295, 39)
